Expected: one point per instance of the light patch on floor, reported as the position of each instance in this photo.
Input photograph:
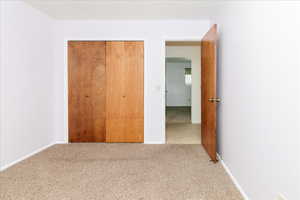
(179, 129)
(118, 172)
(181, 133)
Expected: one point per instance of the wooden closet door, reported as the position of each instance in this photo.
(125, 91)
(87, 91)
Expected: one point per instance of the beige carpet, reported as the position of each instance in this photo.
(118, 172)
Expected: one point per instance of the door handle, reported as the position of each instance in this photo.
(217, 100)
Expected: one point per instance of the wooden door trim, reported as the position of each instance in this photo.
(65, 117)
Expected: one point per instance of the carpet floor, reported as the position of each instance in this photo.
(118, 172)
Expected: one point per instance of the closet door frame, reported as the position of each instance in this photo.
(66, 78)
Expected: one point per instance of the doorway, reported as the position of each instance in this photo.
(207, 72)
(183, 92)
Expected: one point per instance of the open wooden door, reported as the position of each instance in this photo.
(209, 92)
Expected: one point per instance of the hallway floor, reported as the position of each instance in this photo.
(179, 129)
(118, 172)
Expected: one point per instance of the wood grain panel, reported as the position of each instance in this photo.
(209, 90)
(125, 94)
(87, 91)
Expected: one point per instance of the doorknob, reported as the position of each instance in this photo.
(217, 100)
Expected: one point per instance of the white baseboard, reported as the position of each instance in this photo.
(61, 142)
(233, 178)
(26, 156)
(145, 142)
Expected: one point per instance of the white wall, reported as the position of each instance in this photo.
(259, 84)
(26, 80)
(153, 33)
(123, 9)
(1, 79)
(192, 53)
(177, 92)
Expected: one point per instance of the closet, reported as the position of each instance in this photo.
(106, 91)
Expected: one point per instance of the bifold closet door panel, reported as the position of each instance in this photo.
(87, 91)
(125, 91)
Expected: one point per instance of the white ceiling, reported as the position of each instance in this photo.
(123, 9)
